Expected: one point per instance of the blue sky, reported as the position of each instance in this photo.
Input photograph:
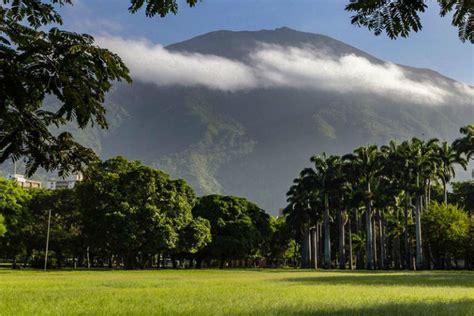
(437, 47)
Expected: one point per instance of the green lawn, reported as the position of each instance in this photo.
(247, 292)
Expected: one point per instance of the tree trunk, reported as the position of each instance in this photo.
(419, 244)
(342, 241)
(306, 250)
(88, 258)
(382, 240)
(374, 241)
(320, 241)
(396, 245)
(27, 257)
(369, 247)
(360, 259)
(314, 247)
(351, 258)
(327, 236)
(397, 252)
(407, 254)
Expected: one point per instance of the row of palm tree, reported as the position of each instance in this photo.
(390, 186)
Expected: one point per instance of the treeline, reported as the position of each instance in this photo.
(376, 208)
(387, 207)
(129, 215)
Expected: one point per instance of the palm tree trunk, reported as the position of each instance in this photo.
(360, 259)
(320, 241)
(407, 255)
(369, 247)
(382, 240)
(374, 242)
(314, 247)
(419, 244)
(397, 252)
(342, 243)
(306, 250)
(327, 236)
(351, 258)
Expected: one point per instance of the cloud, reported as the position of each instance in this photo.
(155, 64)
(308, 68)
(271, 66)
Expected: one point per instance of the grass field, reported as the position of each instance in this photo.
(241, 292)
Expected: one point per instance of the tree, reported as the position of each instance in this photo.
(396, 168)
(401, 17)
(239, 228)
(448, 158)
(17, 218)
(304, 211)
(366, 163)
(282, 244)
(422, 164)
(66, 226)
(133, 211)
(193, 237)
(328, 179)
(463, 195)
(36, 64)
(160, 7)
(385, 182)
(446, 229)
(465, 144)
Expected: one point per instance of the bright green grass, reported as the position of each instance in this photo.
(248, 292)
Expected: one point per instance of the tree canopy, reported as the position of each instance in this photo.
(144, 211)
(401, 17)
(394, 187)
(36, 64)
(239, 228)
(445, 229)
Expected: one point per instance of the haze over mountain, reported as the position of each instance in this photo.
(241, 112)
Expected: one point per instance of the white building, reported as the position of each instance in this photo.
(24, 182)
(64, 182)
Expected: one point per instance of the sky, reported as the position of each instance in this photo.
(436, 47)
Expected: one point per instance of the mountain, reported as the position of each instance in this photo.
(289, 95)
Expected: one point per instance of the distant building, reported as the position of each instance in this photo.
(24, 182)
(65, 182)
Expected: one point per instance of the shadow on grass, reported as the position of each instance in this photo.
(463, 307)
(433, 279)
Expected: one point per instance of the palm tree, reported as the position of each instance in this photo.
(448, 158)
(465, 144)
(300, 215)
(327, 175)
(396, 167)
(366, 164)
(422, 164)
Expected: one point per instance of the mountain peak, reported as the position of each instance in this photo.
(285, 28)
(239, 44)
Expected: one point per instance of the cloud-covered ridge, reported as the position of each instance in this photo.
(271, 66)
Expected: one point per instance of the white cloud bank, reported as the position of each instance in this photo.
(274, 66)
